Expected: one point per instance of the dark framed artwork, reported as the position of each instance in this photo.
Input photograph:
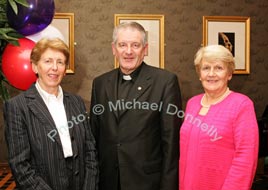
(233, 32)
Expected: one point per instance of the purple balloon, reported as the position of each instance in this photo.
(32, 19)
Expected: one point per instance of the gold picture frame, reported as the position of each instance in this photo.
(234, 33)
(64, 22)
(154, 26)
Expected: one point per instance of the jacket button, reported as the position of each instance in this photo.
(118, 144)
(76, 173)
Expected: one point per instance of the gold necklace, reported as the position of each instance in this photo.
(218, 101)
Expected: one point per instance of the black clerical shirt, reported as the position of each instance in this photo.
(124, 86)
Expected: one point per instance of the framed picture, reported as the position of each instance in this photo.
(154, 26)
(63, 23)
(233, 32)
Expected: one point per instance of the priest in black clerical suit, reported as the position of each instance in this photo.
(134, 118)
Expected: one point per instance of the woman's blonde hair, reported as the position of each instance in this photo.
(214, 53)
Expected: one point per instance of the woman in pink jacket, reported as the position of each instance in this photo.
(219, 135)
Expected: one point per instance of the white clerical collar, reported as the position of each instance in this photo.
(127, 77)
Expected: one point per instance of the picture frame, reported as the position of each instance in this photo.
(233, 32)
(154, 26)
(64, 22)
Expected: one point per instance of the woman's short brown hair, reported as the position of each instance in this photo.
(53, 43)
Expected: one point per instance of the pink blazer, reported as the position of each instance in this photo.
(219, 151)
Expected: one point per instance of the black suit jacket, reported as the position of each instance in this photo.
(139, 147)
(37, 161)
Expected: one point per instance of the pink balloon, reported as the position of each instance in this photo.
(16, 64)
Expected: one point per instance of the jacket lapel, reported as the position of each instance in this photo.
(69, 114)
(140, 86)
(40, 110)
(111, 89)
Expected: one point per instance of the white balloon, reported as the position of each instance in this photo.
(49, 32)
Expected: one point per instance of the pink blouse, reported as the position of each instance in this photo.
(219, 151)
